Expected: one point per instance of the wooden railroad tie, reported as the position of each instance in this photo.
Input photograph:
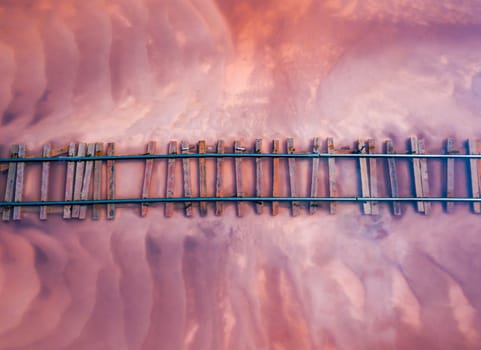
(67, 209)
(239, 184)
(97, 193)
(450, 149)
(291, 162)
(44, 182)
(202, 178)
(90, 178)
(259, 177)
(393, 182)
(332, 174)
(170, 179)
(275, 177)
(219, 180)
(315, 176)
(149, 167)
(10, 185)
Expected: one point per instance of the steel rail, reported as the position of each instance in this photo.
(236, 199)
(238, 155)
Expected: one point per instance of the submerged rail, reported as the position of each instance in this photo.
(90, 173)
(234, 199)
(240, 155)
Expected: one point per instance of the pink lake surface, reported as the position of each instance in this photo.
(130, 71)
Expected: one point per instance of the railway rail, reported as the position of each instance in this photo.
(90, 174)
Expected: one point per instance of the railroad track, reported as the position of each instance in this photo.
(90, 173)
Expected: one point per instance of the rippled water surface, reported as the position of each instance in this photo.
(129, 72)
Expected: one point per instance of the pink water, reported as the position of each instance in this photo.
(135, 71)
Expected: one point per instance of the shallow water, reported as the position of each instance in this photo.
(135, 71)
